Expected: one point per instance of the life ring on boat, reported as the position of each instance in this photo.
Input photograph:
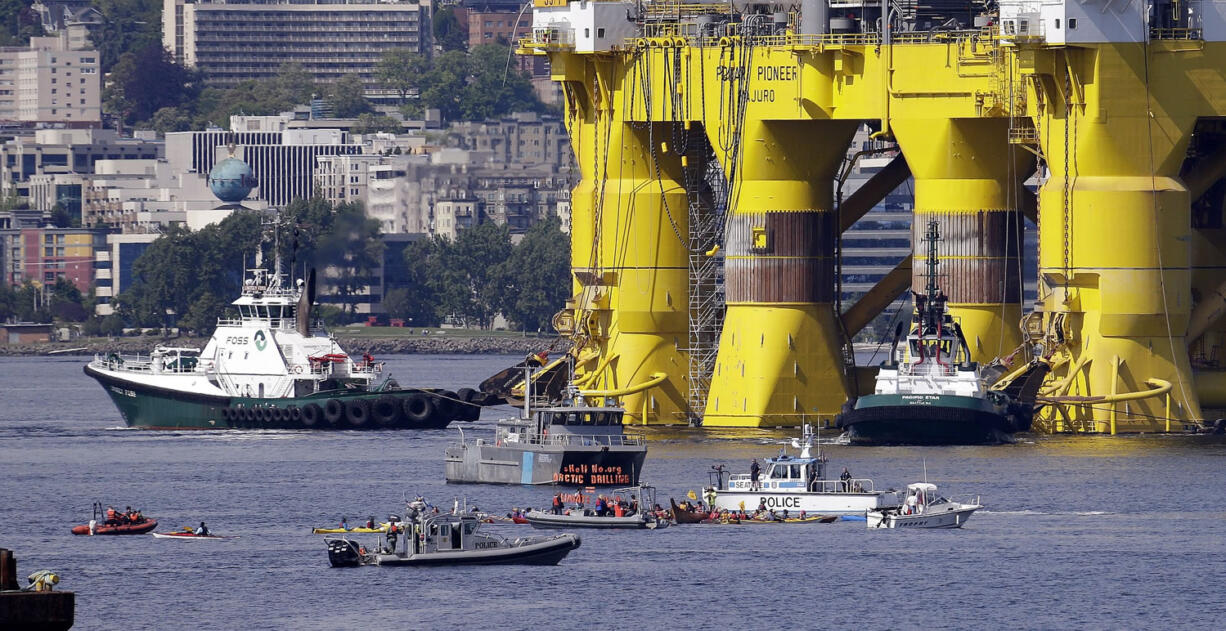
(418, 408)
(334, 411)
(357, 412)
(297, 370)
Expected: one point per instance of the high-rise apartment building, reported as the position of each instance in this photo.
(231, 42)
(50, 81)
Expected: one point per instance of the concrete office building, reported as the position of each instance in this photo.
(520, 138)
(50, 81)
(113, 267)
(283, 163)
(66, 151)
(231, 42)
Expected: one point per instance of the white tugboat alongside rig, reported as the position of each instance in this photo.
(929, 392)
(268, 368)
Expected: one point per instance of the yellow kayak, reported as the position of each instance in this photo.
(339, 531)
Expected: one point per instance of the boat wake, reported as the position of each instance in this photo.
(1094, 513)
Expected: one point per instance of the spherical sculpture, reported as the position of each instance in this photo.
(231, 180)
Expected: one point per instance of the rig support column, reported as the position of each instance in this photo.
(1114, 225)
(780, 358)
(968, 179)
(628, 257)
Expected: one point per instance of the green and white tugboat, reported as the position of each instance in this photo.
(929, 392)
(268, 369)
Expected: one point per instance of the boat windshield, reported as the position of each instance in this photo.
(595, 418)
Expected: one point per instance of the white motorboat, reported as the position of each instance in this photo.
(796, 484)
(923, 508)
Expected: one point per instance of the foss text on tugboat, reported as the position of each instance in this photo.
(929, 392)
(268, 369)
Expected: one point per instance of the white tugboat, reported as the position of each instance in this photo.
(923, 508)
(795, 484)
(268, 368)
(929, 392)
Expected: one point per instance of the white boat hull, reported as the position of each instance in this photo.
(951, 516)
(809, 502)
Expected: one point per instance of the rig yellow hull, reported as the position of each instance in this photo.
(1112, 123)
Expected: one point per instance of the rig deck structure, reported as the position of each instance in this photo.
(1114, 108)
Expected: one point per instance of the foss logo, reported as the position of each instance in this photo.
(260, 341)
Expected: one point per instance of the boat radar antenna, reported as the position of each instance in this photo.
(805, 442)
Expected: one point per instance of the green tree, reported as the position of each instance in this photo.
(127, 26)
(290, 87)
(347, 99)
(146, 81)
(13, 201)
(179, 272)
(61, 218)
(443, 85)
(482, 83)
(340, 242)
(470, 280)
(539, 276)
(30, 303)
(65, 301)
(18, 23)
(111, 325)
(370, 124)
(402, 70)
(447, 31)
(8, 302)
(496, 86)
(169, 119)
(417, 300)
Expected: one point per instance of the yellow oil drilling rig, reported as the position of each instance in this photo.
(711, 135)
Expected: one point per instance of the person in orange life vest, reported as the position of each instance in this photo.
(557, 503)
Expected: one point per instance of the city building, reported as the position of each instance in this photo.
(282, 162)
(49, 190)
(505, 22)
(41, 255)
(113, 266)
(51, 81)
(520, 138)
(66, 151)
(344, 178)
(232, 42)
(76, 18)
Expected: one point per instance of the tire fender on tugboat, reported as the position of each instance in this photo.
(334, 412)
(418, 408)
(312, 414)
(357, 412)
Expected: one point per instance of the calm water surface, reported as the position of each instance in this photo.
(1087, 533)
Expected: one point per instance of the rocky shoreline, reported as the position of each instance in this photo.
(424, 345)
